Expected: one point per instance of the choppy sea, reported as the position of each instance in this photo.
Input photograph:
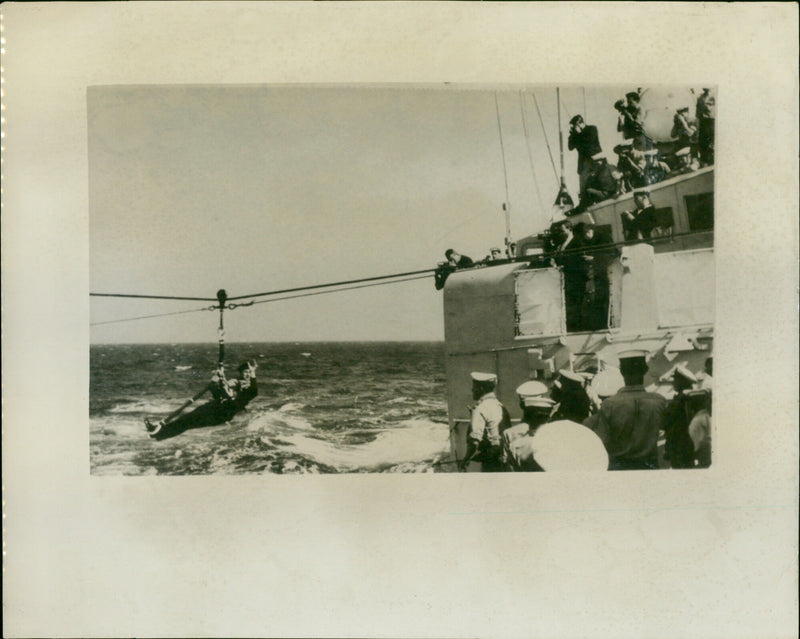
(321, 408)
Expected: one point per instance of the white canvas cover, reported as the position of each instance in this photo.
(540, 302)
(684, 284)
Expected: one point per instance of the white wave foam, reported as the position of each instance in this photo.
(410, 441)
(182, 368)
(291, 406)
(276, 421)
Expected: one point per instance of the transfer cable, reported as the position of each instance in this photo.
(275, 299)
(275, 292)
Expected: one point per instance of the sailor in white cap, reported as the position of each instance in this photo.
(573, 401)
(685, 163)
(700, 427)
(489, 420)
(605, 384)
(536, 407)
(629, 422)
(679, 449)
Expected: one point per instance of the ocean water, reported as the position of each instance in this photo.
(321, 408)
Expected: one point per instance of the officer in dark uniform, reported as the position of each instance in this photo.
(628, 423)
(679, 448)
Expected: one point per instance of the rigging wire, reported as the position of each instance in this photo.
(348, 288)
(155, 297)
(275, 299)
(343, 283)
(546, 141)
(585, 113)
(502, 148)
(567, 111)
(131, 319)
(528, 148)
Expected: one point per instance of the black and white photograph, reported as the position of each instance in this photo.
(339, 319)
(326, 279)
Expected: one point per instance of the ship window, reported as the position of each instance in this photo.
(700, 209)
(539, 302)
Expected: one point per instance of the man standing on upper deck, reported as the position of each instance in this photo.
(706, 114)
(488, 422)
(629, 422)
(639, 223)
(584, 139)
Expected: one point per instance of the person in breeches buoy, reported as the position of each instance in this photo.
(488, 422)
(226, 396)
(245, 387)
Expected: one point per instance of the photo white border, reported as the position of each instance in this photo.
(634, 555)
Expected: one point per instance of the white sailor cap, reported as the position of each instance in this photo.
(684, 151)
(531, 388)
(607, 382)
(566, 446)
(633, 354)
(538, 402)
(483, 377)
(571, 376)
(682, 371)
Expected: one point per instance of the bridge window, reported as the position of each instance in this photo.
(700, 209)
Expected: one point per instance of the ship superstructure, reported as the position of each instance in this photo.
(511, 318)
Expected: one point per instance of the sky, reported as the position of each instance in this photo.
(258, 188)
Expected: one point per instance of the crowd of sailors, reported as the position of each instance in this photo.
(641, 161)
(594, 420)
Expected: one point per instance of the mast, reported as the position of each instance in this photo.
(507, 203)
